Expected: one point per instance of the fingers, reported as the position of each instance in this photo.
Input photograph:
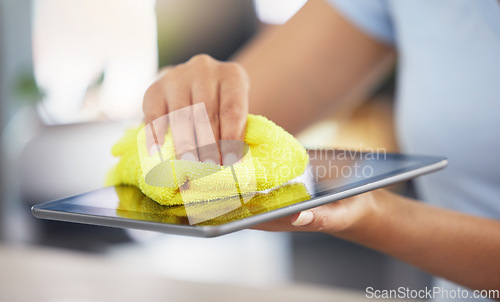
(206, 102)
(233, 110)
(206, 120)
(341, 218)
(154, 107)
(181, 123)
(303, 218)
(312, 220)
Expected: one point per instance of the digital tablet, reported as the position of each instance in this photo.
(330, 176)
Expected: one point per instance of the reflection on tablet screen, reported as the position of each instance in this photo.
(329, 172)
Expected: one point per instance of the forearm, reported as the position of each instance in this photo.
(462, 248)
(311, 66)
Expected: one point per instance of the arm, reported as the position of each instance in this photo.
(459, 247)
(292, 74)
(311, 65)
(462, 248)
(297, 74)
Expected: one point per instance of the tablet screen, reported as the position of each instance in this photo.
(329, 172)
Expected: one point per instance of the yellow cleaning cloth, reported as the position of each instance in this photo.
(135, 205)
(274, 158)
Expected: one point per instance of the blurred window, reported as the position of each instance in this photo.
(93, 59)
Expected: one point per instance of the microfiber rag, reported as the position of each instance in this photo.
(274, 158)
(135, 205)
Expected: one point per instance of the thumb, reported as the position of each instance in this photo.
(315, 220)
(333, 217)
(303, 218)
(325, 218)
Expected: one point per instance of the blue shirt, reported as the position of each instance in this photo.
(448, 91)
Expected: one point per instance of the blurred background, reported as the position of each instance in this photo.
(72, 76)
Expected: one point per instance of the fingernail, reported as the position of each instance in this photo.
(229, 159)
(305, 218)
(154, 149)
(209, 161)
(188, 156)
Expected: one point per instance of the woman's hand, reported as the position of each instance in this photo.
(222, 87)
(338, 218)
(442, 242)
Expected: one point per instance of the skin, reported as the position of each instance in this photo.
(316, 63)
(455, 246)
(302, 63)
(222, 87)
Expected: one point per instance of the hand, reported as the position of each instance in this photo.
(222, 87)
(338, 218)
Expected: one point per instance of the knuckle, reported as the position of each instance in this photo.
(152, 90)
(168, 80)
(202, 59)
(235, 70)
(172, 73)
(234, 67)
(176, 75)
(164, 71)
